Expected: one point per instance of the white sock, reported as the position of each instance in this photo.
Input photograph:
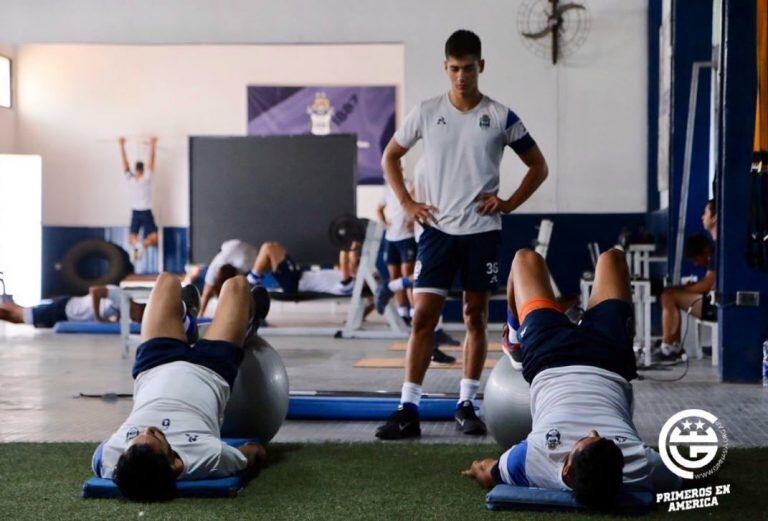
(468, 389)
(512, 337)
(412, 312)
(411, 393)
(253, 278)
(26, 315)
(396, 285)
(439, 325)
(668, 349)
(403, 311)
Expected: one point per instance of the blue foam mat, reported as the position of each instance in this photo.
(101, 488)
(100, 328)
(364, 408)
(508, 497)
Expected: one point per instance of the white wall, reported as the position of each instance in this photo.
(75, 101)
(8, 116)
(588, 113)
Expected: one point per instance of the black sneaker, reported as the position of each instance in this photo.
(403, 423)
(261, 302)
(441, 358)
(467, 420)
(190, 296)
(443, 338)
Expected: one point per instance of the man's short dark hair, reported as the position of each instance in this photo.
(142, 474)
(597, 474)
(463, 43)
(696, 245)
(226, 272)
(712, 207)
(139, 165)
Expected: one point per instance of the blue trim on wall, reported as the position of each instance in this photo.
(742, 329)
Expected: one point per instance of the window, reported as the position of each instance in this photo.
(5, 82)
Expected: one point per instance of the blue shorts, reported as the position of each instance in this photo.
(219, 356)
(475, 257)
(46, 315)
(143, 219)
(400, 252)
(288, 274)
(602, 339)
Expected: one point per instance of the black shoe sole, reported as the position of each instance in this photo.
(472, 429)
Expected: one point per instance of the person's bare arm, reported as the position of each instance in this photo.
(204, 298)
(152, 153)
(256, 455)
(97, 293)
(123, 155)
(537, 173)
(702, 286)
(393, 174)
(480, 471)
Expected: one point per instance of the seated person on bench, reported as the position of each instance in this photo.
(692, 297)
(180, 393)
(102, 304)
(583, 437)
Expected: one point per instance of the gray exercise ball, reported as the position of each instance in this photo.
(507, 404)
(259, 400)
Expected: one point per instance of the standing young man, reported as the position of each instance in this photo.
(464, 133)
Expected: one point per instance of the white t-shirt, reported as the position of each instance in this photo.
(400, 225)
(567, 403)
(186, 401)
(322, 281)
(141, 190)
(80, 309)
(239, 254)
(462, 154)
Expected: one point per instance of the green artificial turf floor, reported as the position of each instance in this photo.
(327, 481)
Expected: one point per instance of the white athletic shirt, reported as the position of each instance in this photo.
(80, 309)
(567, 403)
(239, 254)
(141, 190)
(462, 154)
(400, 225)
(186, 402)
(323, 281)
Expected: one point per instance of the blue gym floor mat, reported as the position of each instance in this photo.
(508, 497)
(100, 488)
(364, 408)
(100, 328)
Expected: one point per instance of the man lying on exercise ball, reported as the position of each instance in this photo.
(273, 257)
(583, 437)
(180, 393)
(101, 304)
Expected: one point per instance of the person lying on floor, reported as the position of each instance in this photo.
(180, 393)
(583, 438)
(273, 257)
(101, 304)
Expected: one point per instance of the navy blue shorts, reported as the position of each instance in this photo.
(475, 257)
(219, 356)
(46, 315)
(602, 339)
(143, 219)
(288, 274)
(400, 252)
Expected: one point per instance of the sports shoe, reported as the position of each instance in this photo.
(261, 302)
(443, 338)
(513, 350)
(190, 296)
(344, 289)
(401, 424)
(442, 358)
(383, 296)
(467, 420)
